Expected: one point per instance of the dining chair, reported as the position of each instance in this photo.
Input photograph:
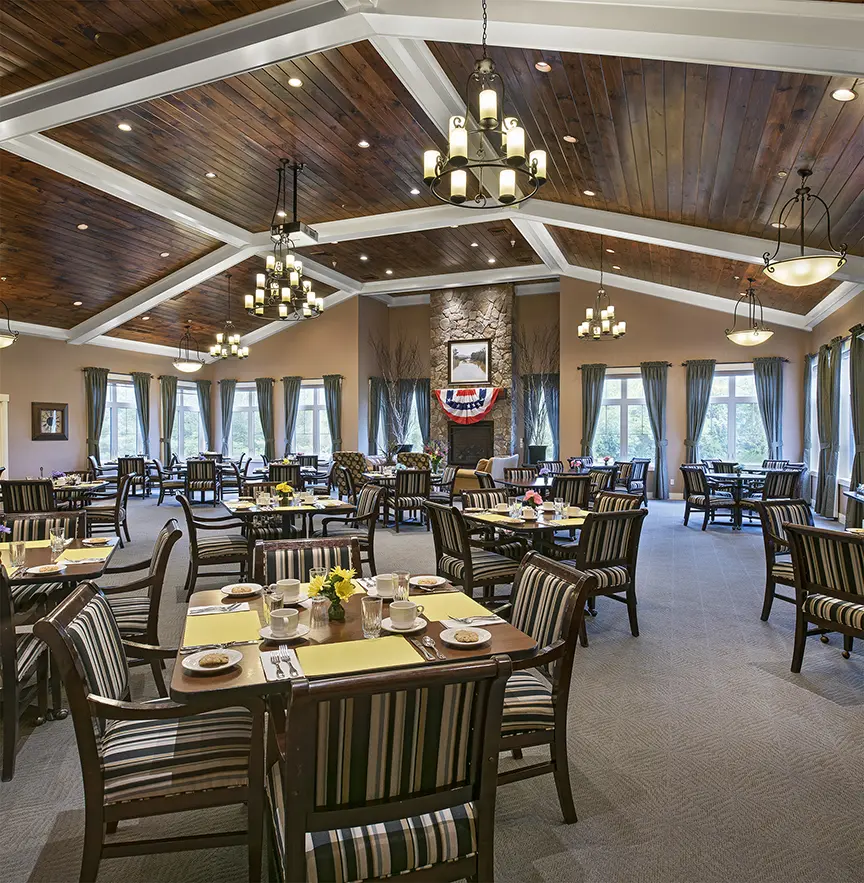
(344, 481)
(521, 475)
(111, 513)
(615, 501)
(137, 615)
(779, 484)
(485, 498)
(726, 467)
(288, 473)
(213, 551)
(167, 484)
(414, 460)
(388, 775)
(355, 463)
(323, 484)
(552, 467)
(410, 494)
(28, 495)
(138, 472)
(463, 564)
(602, 478)
(484, 480)
(143, 759)
(829, 585)
(273, 560)
(637, 482)
(775, 464)
(549, 605)
(23, 672)
(202, 476)
(442, 490)
(575, 490)
(361, 522)
(486, 537)
(625, 467)
(586, 461)
(307, 461)
(699, 497)
(101, 472)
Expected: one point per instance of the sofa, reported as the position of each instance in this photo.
(466, 480)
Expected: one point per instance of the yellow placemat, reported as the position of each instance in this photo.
(569, 522)
(84, 554)
(492, 516)
(333, 659)
(221, 628)
(28, 544)
(447, 604)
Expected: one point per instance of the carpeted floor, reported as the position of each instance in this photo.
(695, 754)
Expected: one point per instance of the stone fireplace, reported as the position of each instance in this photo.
(468, 443)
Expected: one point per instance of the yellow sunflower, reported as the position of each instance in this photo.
(315, 585)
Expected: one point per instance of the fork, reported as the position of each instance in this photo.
(469, 619)
(286, 658)
(274, 658)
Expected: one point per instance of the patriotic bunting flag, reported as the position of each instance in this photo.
(467, 405)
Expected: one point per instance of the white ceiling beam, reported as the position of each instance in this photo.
(540, 239)
(804, 36)
(458, 280)
(147, 298)
(832, 302)
(135, 346)
(287, 31)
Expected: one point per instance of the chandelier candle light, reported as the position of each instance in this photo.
(185, 361)
(227, 344)
(281, 292)
(756, 331)
(600, 321)
(471, 147)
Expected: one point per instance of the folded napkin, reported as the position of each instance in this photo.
(218, 608)
(87, 556)
(483, 623)
(270, 668)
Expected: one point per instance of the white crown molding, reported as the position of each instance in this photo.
(30, 329)
(135, 346)
(833, 301)
(529, 289)
(457, 280)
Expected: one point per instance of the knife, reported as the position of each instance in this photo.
(426, 654)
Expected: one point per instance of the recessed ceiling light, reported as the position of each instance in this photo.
(782, 173)
(389, 272)
(295, 82)
(777, 225)
(570, 139)
(490, 261)
(364, 143)
(543, 66)
(364, 257)
(589, 192)
(475, 244)
(844, 95)
(145, 318)
(615, 267)
(610, 251)
(164, 254)
(210, 174)
(77, 303)
(124, 127)
(415, 191)
(83, 226)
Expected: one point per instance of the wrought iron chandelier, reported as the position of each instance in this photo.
(805, 269)
(600, 321)
(756, 331)
(227, 344)
(185, 361)
(281, 292)
(7, 337)
(472, 148)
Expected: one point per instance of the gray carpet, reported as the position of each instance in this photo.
(695, 754)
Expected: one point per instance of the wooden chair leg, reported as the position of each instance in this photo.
(517, 753)
(800, 640)
(119, 532)
(847, 646)
(157, 666)
(686, 513)
(769, 599)
(111, 827)
(397, 515)
(126, 531)
(191, 577)
(94, 838)
(10, 730)
(705, 519)
(583, 634)
(631, 611)
(558, 750)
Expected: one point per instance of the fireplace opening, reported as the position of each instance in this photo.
(470, 443)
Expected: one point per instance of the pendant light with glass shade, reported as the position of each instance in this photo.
(227, 345)
(7, 337)
(507, 177)
(600, 320)
(281, 292)
(185, 361)
(804, 269)
(755, 331)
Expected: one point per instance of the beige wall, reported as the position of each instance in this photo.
(838, 324)
(412, 324)
(373, 323)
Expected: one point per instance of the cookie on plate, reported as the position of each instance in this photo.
(466, 636)
(211, 660)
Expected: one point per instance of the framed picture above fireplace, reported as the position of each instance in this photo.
(469, 362)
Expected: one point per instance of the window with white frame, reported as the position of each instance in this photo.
(312, 431)
(188, 438)
(733, 428)
(247, 435)
(121, 434)
(847, 445)
(623, 430)
(414, 437)
(813, 465)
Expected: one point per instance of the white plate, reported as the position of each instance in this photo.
(434, 581)
(190, 663)
(96, 541)
(303, 596)
(267, 634)
(419, 625)
(46, 569)
(243, 504)
(254, 589)
(447, 636)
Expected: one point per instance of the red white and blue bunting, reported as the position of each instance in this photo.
(467, 404)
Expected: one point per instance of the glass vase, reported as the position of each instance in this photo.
(336, 613)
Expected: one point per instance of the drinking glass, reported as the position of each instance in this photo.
(18, 553)
(515, 507)
(272, 601)
(318, 618)
(559, 506)
(371, 616)
(317, 571)
(402, 586)
(57, 536)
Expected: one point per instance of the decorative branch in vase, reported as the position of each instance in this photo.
(537, 359)
(400, 366)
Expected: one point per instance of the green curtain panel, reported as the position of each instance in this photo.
(141, 386)
(828, 424)
(95, 399)
(202, 387)
(593, 378)
(291, 390)
(168, 406)
(809, 359)
(700, 377)
(552, 396)
(422, 394)
(333, 404)
(226, 405)
(264, 388)
(854, 509)
(377, 398)
(654, 377)
(768, 374)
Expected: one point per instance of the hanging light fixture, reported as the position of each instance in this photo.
(227, 344)
(507, 177)
(185, 361)
(756, 331)
(7, 337)
(281, 292)
(805, 269)
(600, 320)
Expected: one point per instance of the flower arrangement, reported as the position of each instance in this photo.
(437, 452)
(58, 474)
(575, 463)
(5, 531)
(606, 461)
(532, 499)
(338, 586)
(285, 492)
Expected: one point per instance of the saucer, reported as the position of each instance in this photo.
(246, 590)
(300, 634)
(419, 625)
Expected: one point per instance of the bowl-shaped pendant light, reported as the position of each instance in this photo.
(188, 357)
(754, 331)
(7, 337)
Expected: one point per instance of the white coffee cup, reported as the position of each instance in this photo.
(385, 583)
(283, 622)
(548, 506)
(501, 507)
(528, 513)
(404, 613)
(289, 589)
(572, 511)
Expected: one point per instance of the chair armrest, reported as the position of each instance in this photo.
(128, 568)
(222, 523)
(134, 586)
(551, 653)
(164, 709)
(504, 608)
(334, 519)
(148, 651)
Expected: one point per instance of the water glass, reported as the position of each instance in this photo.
(317, 571)
(515, 507)
(402, 584)
(559, 507)
(57, 537)
(272, 601)
(372, 608)
(17, 553)
(318, 618)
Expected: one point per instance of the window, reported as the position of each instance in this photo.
(413, 438)
(247, 435)
(121, 434)
(847, 445)
(733, 426)
(623, 430)
(188, 438)
(312, 431)
(813, 465)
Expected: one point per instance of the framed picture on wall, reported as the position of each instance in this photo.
(469, 362)
(50, 421)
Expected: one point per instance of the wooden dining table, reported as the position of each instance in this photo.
(242, 509)
(736, 482)
(78, 493)
(535, 531)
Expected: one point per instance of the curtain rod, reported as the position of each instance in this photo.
(684, 364)
(625, 367)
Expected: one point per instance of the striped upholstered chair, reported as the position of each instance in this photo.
(460, 562)
(288, 473)
(487, 537)
(442, 490)
(414, 460)
(774, 514)
(137, 470)
(410, 494)
(698, 497)
(775, 464)
(780, 484)
(549, 605)
(625, 468)
(607, 501)
(361, 523)
(143, 759)
(552, 467)
(355, 795)
(521, 476)
(28, 495)
(202, 476)
(602, 479)
(829, 585)
(110, 514)
(293, 559)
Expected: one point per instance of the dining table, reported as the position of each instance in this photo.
(737, 483)
(248, 510)
(78, 493)
(858, 497)
(537, 531)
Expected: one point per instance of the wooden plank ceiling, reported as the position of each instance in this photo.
(240, 128)
(684, 269)
(206, 306)
(45, 39)
(48, 263)
(690, 143)
(447, 250)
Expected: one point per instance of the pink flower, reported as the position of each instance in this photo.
(532, 498)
